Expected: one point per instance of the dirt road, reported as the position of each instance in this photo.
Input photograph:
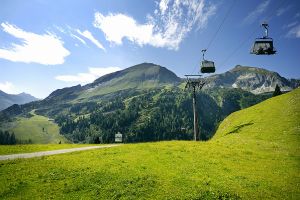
(53, 152)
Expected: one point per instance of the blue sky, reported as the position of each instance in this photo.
(47, 45)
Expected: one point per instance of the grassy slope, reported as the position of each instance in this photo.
(84, 96)
(260, 160)
(32, 128)
(268, 135)
(276, 120)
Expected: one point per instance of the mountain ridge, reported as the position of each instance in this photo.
(150, 75)
(252, 79)
(7, 100)
(140, 76)
(139, 73)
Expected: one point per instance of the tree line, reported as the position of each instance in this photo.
(7, 138)
(153, 115)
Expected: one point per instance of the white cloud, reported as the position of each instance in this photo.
(70, 32)
(7, 87)
(163, 6)
(118, 26)
(294, 32)
(281, 11)
(89, 36)
(78, 38)
(252, 16)
(167, 27)
(290, 24)
(60, 29)
(46, 49)
(92, 74)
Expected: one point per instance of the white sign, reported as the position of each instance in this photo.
(118, 137)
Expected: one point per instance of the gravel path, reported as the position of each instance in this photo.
(53, 152)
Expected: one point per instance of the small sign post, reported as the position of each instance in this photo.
(118, 137)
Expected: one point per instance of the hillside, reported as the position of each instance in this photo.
(255, 155)
(252, 79)
(35, 129)
(276, 119)
(7, 100)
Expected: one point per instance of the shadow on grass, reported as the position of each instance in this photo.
(239, 127)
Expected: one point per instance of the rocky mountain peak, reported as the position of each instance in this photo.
(253, 79)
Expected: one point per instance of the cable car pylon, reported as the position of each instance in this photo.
(195, 82)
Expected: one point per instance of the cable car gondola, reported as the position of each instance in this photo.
(207, 66)
(264, 45)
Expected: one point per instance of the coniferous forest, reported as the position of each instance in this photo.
(153, 115)
(7, 138)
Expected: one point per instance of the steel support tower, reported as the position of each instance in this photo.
(195, 82)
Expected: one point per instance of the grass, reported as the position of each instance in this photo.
(255, 155)
(37, 128)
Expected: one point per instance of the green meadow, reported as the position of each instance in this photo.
(254, 155)
(38, 129)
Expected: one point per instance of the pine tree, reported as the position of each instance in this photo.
(1, 137)
(277, 91)
(6, 137)
(13, 138)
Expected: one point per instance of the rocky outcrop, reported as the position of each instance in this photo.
(252, 79)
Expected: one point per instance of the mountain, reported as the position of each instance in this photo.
(141, 75)
(149, 75)
(138, 77)
(252, 79)
(145, 102)
(7, 100)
